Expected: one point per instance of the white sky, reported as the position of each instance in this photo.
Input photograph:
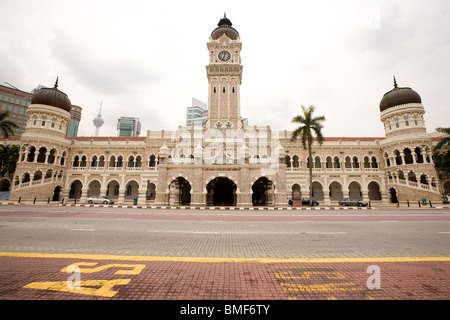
(147, 58)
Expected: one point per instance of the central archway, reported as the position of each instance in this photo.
(221, 191)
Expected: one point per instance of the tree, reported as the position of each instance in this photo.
(309, 125)
(441, 155)
(9, 155)
(444, 144)
(6, 126)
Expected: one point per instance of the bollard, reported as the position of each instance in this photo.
(431, 206)
(75, 201)
(34, 201)
(408, 203)
(62, 201)
(419, 203)
(20, 198)
(48, 201)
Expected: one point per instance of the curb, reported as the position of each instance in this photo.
(221, 208)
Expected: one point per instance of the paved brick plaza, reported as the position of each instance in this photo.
(174, 279)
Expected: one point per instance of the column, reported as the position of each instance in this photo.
(402, 155)
(142, 195)
(122, 191)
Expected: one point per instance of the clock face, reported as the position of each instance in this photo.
(224, 55)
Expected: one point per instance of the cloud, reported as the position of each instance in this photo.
(108, 76)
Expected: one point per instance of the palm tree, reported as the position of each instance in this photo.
(441, 157)
(309, 124)
(6, 126)
(445, 141)
(9, 155)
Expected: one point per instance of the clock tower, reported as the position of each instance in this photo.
(224, 74)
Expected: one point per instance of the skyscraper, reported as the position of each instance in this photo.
(128, 127)
(197, 114)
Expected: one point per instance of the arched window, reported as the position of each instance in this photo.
(408, 156)
(31, 154)
(355, 162)
(287, 160)
(101, 161)
(398, 158)
(42, 155)
(130, 162)
(83, 161)
(138, 161)
(336, 162)
(412, 176)
(348, 163)
(318, 164)
(296, 163)
(63, 158)
(112, 161)
(152, 162)
(388, 161)
(76, 161)
(94, 162)
(51, 156)
(119, 161)
(374, 162)
(419, 155)
(329, 163)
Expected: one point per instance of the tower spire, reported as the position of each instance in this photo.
(395, 83)
(100, 111)
(56, 83)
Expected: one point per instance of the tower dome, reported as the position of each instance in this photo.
(225, 27)
(399, 96)
(52, 97)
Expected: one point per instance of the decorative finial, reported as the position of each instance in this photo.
(56, 83)
(395, 83)
(225, 14)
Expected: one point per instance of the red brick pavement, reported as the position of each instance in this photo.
(25, 278)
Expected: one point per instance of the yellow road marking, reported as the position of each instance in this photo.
(136, 268)
(214, 259)
(104, 290)
(340, 286)
(307, 275)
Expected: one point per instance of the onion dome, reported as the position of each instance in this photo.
(399, 96)
(52, 97)
(224, 27)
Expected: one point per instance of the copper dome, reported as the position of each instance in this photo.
(399, 96)
(224, 27)
(52, 97)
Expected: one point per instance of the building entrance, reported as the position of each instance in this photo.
(262, 192)
(180, 192)
(221, 192)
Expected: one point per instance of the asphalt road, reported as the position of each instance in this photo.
(226, 234)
